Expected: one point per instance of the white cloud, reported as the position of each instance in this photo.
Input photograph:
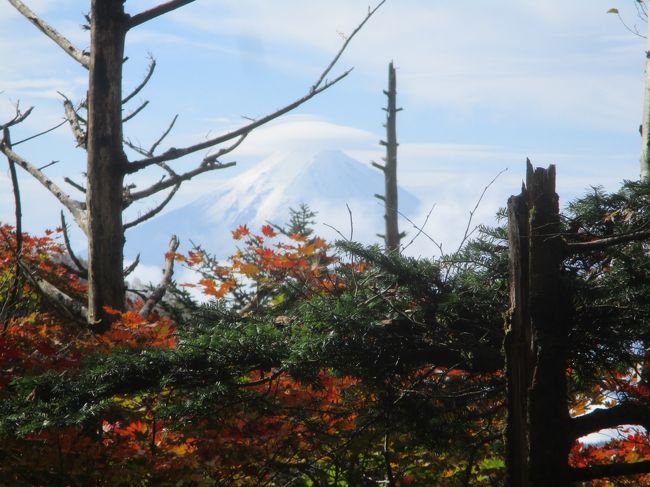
(510, 57)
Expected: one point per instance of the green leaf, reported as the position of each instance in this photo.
(613, 11)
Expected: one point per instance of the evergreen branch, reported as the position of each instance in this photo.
(603, 243)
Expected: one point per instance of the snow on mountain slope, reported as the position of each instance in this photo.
(326, 181)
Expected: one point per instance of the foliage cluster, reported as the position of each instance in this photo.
(314, 364)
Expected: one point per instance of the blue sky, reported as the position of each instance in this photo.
(484, 84)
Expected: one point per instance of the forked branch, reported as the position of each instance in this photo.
(319, 86)
(154, 211)
(209, 163)
(158, 293)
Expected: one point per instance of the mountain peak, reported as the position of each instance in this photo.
(327, 181)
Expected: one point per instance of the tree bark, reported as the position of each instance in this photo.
(106, 162)
(548, 408)
(537, 434)
(518, 344)
(392, 235)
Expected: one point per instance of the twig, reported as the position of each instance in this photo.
(153, 212)
(128, 270)
(467, 233)
(74, 184)
(351, 221)
(51, 163)
(420, 230)
(135, 112)
(345, 45)
(83, 272)
(40, 133)
(160, 291)
(12, 296)
(19, 117)
(175, 153)
(137, 89)
(209, 164)
(155, 145)
(75, 53)
(318, 87)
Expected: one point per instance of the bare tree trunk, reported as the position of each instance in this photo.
(518, 344)
(392, 235)
(645, 124)
(100, 217)
(536, 344)
(106, 162)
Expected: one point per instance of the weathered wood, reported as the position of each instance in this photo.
(392, 235)
(548, 408)
(537, 434)
(106, 162)
(518, 344)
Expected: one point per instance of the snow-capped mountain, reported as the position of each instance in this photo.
(326, 181)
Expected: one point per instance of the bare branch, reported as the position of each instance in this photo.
(420, 230)
(154, 12)
(175, 153)
(168, 183)
(83, 272)
(209, 164)
(75, 185)
(45, 166)
(345, 45)
(57, 298)
(153, 212)
(19, 117)
(160, 291)
(136, 148)
(75, 207)
(135, 112)
(75, 125)
(75, 53)
(603, 243)
(143, 83)
(40, 133)
(12, 296)
(155, 145)
(128, 270)
(467, 233)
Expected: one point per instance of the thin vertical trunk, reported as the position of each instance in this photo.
(392, 235)
(645, 124)
(106, 162)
